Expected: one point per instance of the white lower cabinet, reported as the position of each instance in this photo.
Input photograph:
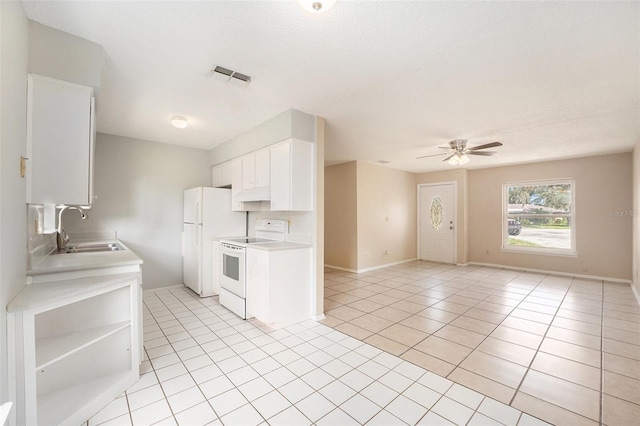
(279, 286)
(74, 346)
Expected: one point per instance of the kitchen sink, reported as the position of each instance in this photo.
(91, 248)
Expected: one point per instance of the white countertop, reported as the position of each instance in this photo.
(70, 262)
(279, 245)
(38, 295)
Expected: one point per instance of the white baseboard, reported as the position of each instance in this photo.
(339, 268)
(318, 317)
(635, 293)
(373, 268)
(543, 271)
(153, 290)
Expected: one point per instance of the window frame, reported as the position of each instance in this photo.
(572, 252)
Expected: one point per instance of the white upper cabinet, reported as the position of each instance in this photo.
(256, 169)
(236, 184)
(277, 178)
(292, 176)
(222, 175)
(60, 142)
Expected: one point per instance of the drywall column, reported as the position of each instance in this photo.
(318, 265)
(14, 39)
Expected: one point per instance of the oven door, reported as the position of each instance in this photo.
(232, 271)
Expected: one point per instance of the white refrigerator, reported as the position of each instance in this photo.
(207, 215)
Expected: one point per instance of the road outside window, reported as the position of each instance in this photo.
(539, 217)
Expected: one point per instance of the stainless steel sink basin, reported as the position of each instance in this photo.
(91, 248)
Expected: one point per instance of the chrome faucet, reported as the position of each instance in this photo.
(62, 237)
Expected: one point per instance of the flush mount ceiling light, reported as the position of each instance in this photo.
(179, 122)
(316, 6)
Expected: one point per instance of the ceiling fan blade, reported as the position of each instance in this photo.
(487, 153)
(487, 145)
(446, 159)
(445, 147)
(432, 155)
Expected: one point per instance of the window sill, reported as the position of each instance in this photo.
(544, 252)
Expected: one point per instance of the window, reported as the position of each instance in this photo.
(539, 217)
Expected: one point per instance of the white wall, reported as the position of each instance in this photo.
(371, 216)
(61, 55)
(14, 37)
(603, 184)
(139, 185)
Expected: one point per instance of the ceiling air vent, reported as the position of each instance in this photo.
(231, 74)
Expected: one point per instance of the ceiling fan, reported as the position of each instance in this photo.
(459, 153)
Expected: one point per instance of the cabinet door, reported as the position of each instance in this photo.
(227, 174)
(281, 177)
(262, 168)
(216, 176)
(59, 142)
(248, 171)
(257, 285)
(222, 175)
(302, 169)
(292, 176)
(236, 184)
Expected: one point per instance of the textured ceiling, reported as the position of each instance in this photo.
(393, 79)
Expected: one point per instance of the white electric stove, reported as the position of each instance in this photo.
(233, 252)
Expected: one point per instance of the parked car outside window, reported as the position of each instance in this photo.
(514, 227)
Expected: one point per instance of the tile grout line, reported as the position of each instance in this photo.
(548, 325)
(540, 344)
(181, 361)
(502, 288)
(183, 300)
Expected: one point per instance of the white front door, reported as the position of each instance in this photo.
(437, 227)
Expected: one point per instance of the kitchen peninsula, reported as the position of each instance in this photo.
(75, 332)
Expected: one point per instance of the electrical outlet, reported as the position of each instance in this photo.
(367, 255)
(386, 252)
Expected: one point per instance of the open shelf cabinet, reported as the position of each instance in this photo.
(73, 355)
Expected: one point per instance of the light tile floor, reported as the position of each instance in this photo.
(206, 366)
(563, 349)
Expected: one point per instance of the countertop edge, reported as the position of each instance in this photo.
(49, 293)
(276, 246)
(55, 263)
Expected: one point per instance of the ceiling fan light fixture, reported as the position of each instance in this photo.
(459, 159)
(179, 122)
(316, 6)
